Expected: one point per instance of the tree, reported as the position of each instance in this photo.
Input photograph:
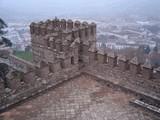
(152, 28)
(147, 50)
(7, 42)
(4, 41)
(141, 48)
(2, 26)
(155, 49)
(103, 45)
(28, 48)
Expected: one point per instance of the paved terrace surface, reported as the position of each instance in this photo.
(92, 70)
(79, 99)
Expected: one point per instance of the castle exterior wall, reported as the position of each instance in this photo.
(20, 64)
(126, 79)
(64, 49)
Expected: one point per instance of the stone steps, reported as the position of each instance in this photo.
(146, 106)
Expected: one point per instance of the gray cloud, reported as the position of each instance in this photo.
(58, 7)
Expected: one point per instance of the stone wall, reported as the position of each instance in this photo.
(61, 49)
(30, 78)
(33, 84)
(52, 38)
(2, 87)
(139, 94)
(124, 78)
(20, 64)
(133, 67)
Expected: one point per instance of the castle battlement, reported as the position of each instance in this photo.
(63, 27)
(51, 39)
(62, 50)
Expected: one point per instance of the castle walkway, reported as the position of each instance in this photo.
(80, 99)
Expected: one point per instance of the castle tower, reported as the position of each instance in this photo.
(57, 40)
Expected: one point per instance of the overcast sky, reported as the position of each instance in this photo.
(12, 8)
(46, 4)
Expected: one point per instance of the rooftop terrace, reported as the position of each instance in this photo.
(78, 99)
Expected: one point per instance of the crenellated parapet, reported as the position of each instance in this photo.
(83, 30)
(61, 48)
(147, 69)
(54, 37)
(123, 63)
(135, 66)
(112, 59)
(120, 62)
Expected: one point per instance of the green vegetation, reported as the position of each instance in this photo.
(19, 75)
(3, 40)
(26, 55)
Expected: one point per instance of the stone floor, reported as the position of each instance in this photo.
(79, 99)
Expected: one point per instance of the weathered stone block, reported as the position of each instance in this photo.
(14, 83)
(112, 62)
(147, 73)
(122, 65)
(147, 70)
(135, 69)
(57, 66)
